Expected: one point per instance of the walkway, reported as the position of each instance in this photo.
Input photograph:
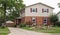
(18, 31)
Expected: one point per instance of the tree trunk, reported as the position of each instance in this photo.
(4, 12)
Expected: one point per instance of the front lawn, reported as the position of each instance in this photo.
(4, 31)
(54, 30)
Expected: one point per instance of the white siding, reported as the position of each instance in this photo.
(39, 11)
(22, 14)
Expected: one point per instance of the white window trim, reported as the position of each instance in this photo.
(33, 18)
(45, 18)
(33, 9)
(45, 10)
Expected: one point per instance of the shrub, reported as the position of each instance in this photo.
(53, 19)
(3, 25)
(0, 24)
(15, 26)
(22, 25)
(57, 24)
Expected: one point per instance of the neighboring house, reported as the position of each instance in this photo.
(10, 23)
(37, 14)
(58, 14)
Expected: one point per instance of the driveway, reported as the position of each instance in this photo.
(18, 31)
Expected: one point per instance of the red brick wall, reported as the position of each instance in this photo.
(23, 20)
(27, 19)
(39, 20)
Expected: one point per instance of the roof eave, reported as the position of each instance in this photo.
(39, 3)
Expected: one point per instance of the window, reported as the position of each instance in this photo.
(45, 10)
(45, 20)
(34, 20)
(33, 9)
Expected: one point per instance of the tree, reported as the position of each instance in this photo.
(11, 8)
(53, 19)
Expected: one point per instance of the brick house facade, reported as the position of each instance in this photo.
(37, 13)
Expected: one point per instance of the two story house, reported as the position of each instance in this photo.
(38, 14)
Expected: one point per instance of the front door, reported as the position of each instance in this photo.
(18, 21)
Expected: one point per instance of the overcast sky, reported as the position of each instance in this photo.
(52, 3)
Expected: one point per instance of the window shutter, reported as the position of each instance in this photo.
(47, 10)
(36, 9)
(30, 9)
(36, 19)
(42, 10)
(31, 19)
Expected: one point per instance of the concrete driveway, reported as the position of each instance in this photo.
(18, 31)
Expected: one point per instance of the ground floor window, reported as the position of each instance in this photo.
(33, 20)
(45, 20)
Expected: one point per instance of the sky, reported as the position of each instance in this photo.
(52, 3)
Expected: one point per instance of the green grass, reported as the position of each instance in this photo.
(4, 31)
(54, 30)
(27, 28)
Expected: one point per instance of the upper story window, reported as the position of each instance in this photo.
(33, 9)
(45, 10)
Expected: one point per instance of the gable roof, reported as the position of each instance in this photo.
(36, 4)
(40, 3)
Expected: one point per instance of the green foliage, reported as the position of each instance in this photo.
(53, 19)
(22, 25)
(53, 30)
(57, 24)
(4, 31)
(10, 9)
(15, 26)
